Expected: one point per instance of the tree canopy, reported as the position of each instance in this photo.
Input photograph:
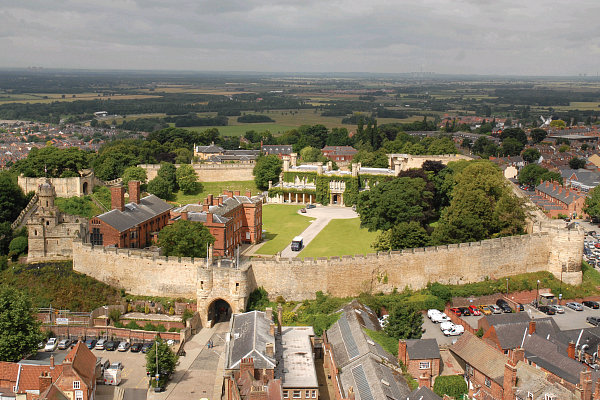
(53, 162)
(185, 239)
(167, 171)
(592, 203)
(12, 198)
(533, 174)
(134, 174)
(187, 179)
(531, 155)
(267, 169)
(577, 163)
(160, 187)
(404, 322)
(167, 360)
(20, 329)
(538, 134)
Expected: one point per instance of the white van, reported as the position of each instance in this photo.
(112, 376)
(297, 243)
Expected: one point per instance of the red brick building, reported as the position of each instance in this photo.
(130, 225)
(339, 153)
(556, 199)
(231, 218)
(422, 359)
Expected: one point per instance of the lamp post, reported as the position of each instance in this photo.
(537, 296)
(506, 287)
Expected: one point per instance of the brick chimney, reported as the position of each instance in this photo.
(45, 380)
(117, 198)
(184, 215)
(258, 393)
(272, 329)
(247, 364)
(597, 391)
(209, 218)
(209, 200)
(585, 384)
(236, 193)
(220, 200)
(531, 329)
(402, 354)
(270, 350)
(424, 381)
(518, 354)
(229, 193)
(134, 191)
(279, 318)
(52, 362)
(269, 314)
(547, 183)
(571, 350)
(510, 381)
(248, 193)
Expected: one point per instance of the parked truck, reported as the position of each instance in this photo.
(112, 376)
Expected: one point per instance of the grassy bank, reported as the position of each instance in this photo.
(281, 223)
(341, 237)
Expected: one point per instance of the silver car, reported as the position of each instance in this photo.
(575, 306)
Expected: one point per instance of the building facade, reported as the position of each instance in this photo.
(555, 200)
(50, 231)
(131, 225)
(339, 153)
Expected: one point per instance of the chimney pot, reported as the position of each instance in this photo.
(134, 191)
(531, 329)
(571, 350)
(117, 198)
(52, 362)
(269, 313)
(279, 317)
(270, 349)
(184, 215)
(237, 193)
(248, 193)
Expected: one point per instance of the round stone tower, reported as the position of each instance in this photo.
(46, 195)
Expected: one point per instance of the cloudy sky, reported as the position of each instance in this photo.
(524, 37)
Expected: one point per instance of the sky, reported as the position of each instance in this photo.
(499, 37)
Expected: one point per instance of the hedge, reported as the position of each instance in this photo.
(452, 385)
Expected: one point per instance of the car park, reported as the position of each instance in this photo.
(146, 347)
(455, 331)
(485, 310)
(593, 320)
(64, 344)
(100, 344)
(51, 344)
(111, 345)
(439, 318)
(547, 310)
(432, 311)
(591, 304)
(474, 310)
(116, 365)
(123, 346)
(495, 309)
(136, 347)
(464, 311)
(444, 326)
(575, 306)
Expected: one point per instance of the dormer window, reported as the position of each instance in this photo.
(76, 385)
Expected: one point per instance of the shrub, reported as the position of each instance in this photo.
(441, 291)
(187, 314)
(174, 329)
(452, 385)
(149, 327)
(258, 299)
(479, 333)
(114, 315)
(119, 324)
(161, 328)
(132, 325)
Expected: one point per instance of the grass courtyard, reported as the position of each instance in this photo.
(215, 188)
(341, 237)
(281, 223)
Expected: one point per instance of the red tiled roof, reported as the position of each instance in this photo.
(84, 362)
(9, 371)
(29, 378)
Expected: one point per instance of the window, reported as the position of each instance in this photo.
(314, 394)
(307, 394)
(78, 394)
(297, 394)
(96, 237)
(424, 364)
(488, 383)
(76, 385)
(285, 394)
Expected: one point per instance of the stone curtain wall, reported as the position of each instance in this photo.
(211, 172)
(65, 187)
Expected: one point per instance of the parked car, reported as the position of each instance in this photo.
(170, 342)
(432, 311)
(503, 304)
(51, 344)
(547, 309)
(309, 206)
(123, 346)
(100, 344)
(558, 309)
(485, 309)
(474, 310)
(303, 210)
(575, 306)
(495, 309)
(64, 344)
(464, 311)
(520, 307)
(111, 346)
(90, 343)
(146, 347)
(136, 347)
(591, 304)
(439, 318)
(456, 311)
(593, 320)
(455, 331)
(444, 326)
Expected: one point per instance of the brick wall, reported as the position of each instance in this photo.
(110, 331)
(211, 172)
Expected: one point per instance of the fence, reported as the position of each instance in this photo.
(108, 332)
(459, 321)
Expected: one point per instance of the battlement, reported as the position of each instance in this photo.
(238, 171)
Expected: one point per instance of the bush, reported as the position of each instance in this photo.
(132, 325)
(441, 291)
(258, 299)
(479, 333)
(114, 315)
(17, 247)
(174, 329)
(149, 327)
(254, 118)
(187, 314)
(119, 324)
(452, 385)
(161, 328)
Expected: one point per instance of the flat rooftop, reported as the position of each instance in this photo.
(297, 364)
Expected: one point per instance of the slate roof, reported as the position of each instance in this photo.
(249, 337)
(423, 393)
(589, 336)
(339, 150)
(558, 192)
(371, 380)
(495, 319)
(481, 356)
(422, 349)
(276, 149)
(583, 177)
(212, 148)
(135, 214)
(533, 380)
(511, 335)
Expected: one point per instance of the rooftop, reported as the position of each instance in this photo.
(134, 214)
(297, 366)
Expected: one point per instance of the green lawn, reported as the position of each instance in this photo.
(215, 188)
(341, 237)
(282, 222)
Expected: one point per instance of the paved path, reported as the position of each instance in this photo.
(200, 372)
(322, 217)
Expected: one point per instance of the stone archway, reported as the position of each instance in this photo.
(85, 188)
(219, 310)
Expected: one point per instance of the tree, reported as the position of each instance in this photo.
(558, 123)
(466, 143)
(577, 163)
(134, 174)
(187, 179)
(160, 187)
(405, 235)
(515, 133)
(531, 155)
(310, 154)
(538, 134)
(167, 360)
(185, 239)
(17, 247)
(12, 199)
(20, 329)
(592, 203)
(564, 148)
(452, 385)
(533, 174)
(402, 199)
(404, 322)
(511, 147)
(267, 169)
(167, 171)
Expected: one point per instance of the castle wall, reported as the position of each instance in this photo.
(211, 172)
(54, 242)
(65, 187)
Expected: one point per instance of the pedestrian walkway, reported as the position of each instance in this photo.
(198, 372)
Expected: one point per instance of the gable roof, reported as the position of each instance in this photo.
(481, 356)
(511, 335)
(135, 214)
(250, 335)
(495, 319)
(423, 393)
(83, 361)
(422, 349)
(372, 380)
(211, 148)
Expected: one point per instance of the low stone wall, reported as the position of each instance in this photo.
(211, 172)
